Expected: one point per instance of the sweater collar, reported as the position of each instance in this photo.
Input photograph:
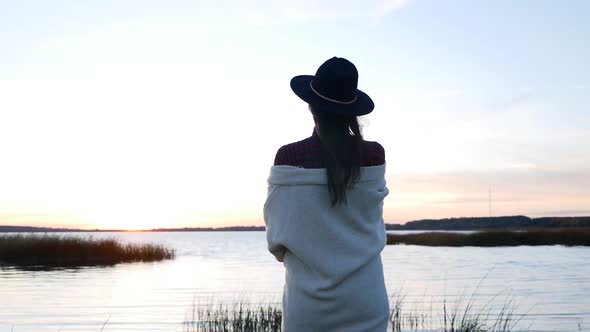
(293, 175)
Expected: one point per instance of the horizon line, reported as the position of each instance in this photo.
(253, 227)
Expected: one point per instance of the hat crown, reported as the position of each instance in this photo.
(336, 79)
(333, 89)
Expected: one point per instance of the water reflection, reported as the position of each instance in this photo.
(550, 283)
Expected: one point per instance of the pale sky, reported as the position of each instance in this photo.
(141, 114)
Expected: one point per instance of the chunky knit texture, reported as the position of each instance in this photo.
(334, 275)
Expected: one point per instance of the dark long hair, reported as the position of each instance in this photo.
(341, 142)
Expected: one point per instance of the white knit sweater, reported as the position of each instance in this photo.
(334, 275)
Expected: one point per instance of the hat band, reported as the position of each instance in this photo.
(330, 99)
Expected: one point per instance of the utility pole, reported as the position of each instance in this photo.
(490, 200)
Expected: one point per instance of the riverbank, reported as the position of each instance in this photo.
(71, 251)
(495, 238)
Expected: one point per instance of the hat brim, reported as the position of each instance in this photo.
(363, 104)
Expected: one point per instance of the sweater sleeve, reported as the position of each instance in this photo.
(275, 248)
(275, 230)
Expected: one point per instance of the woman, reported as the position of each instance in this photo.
(324, 211)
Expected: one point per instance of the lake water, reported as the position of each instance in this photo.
(551, 284)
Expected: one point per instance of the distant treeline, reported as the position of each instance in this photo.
(212, 229)
(30, 229)
(496, 238)
(509, 222)
(449, 224)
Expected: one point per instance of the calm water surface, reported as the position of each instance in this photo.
(549, 283)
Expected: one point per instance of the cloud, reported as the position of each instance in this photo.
(530, 191)
(303, 11)
(513, 101)
(514, 180)
(384, 7)
(513, 191)
(52, 219)
(522, 166)
(448, 93)
(566, 213)
(481, 199)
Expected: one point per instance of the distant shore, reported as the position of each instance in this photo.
(447, 224)
(495, 238)
(32, 229)
(491, 223)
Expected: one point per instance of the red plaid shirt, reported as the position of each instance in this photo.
(307, 153)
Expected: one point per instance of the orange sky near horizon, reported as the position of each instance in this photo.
(411, 197)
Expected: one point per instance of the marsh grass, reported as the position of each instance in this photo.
(71, 251)
(464, 318)
(538, 237)
(457, 316)
(239, 317)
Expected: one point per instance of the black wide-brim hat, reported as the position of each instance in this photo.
(333, 89)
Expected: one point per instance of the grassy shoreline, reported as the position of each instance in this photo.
(455, 316)
(495, 238)
(72, 251)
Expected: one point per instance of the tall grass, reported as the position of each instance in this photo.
(540, 237)
(54, 250)
(239, 317)
(457, 317)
